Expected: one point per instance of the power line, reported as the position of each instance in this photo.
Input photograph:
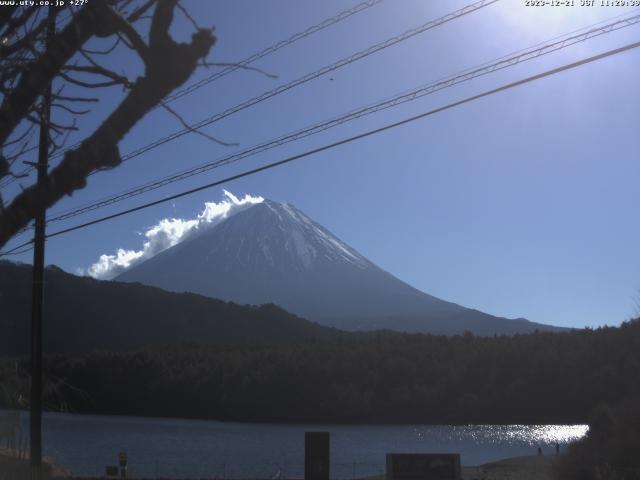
(310, 76)
(313, 75)
(274, 48)
(327, 22)
(351, 139)
(466, 75)
(17, 250)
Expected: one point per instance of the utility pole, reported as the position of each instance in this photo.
(35, 404)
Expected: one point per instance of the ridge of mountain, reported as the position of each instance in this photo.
(83, 314)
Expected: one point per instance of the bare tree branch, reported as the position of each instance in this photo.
(102, 52)
(19, 138)
(35, 78)
(136, 15)
(12, 24)
(64, 140)
(29, 38)
(135, 41)
(98, 70)
(188, 16)
(239, 66)
(82, 83)
(69, 109)
(193, 130)
(167, 66)
(75, 99)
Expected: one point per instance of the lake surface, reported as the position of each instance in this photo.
(168, 448)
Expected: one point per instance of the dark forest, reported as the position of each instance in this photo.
(378, 378)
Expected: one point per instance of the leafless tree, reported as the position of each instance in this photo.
(28, 63)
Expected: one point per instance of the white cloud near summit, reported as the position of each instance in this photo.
(167, 233)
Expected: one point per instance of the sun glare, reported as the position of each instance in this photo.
(541, 18)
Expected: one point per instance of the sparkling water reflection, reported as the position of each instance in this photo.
(207, 449)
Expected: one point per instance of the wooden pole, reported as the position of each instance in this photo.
(35, 445)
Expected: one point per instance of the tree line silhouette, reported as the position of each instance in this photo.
(610, 449)
(381, 377)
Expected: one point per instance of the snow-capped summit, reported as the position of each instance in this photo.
(295, 240)
(271, 252)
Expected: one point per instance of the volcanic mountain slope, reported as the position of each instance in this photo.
(82, 314)
(273, 253)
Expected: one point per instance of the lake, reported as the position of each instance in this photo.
(198, 448)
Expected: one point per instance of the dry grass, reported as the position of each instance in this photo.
(14, 468)
(517, 468)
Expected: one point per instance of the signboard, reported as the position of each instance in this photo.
(112, 471)
(316, 455)
(423, 466)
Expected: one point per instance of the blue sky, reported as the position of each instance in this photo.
(522, 204)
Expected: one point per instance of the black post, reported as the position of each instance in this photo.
(316, 456)
(38, 277)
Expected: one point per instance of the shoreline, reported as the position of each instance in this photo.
(535, 467)
(292, 423)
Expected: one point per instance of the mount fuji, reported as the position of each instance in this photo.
(273, 253)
